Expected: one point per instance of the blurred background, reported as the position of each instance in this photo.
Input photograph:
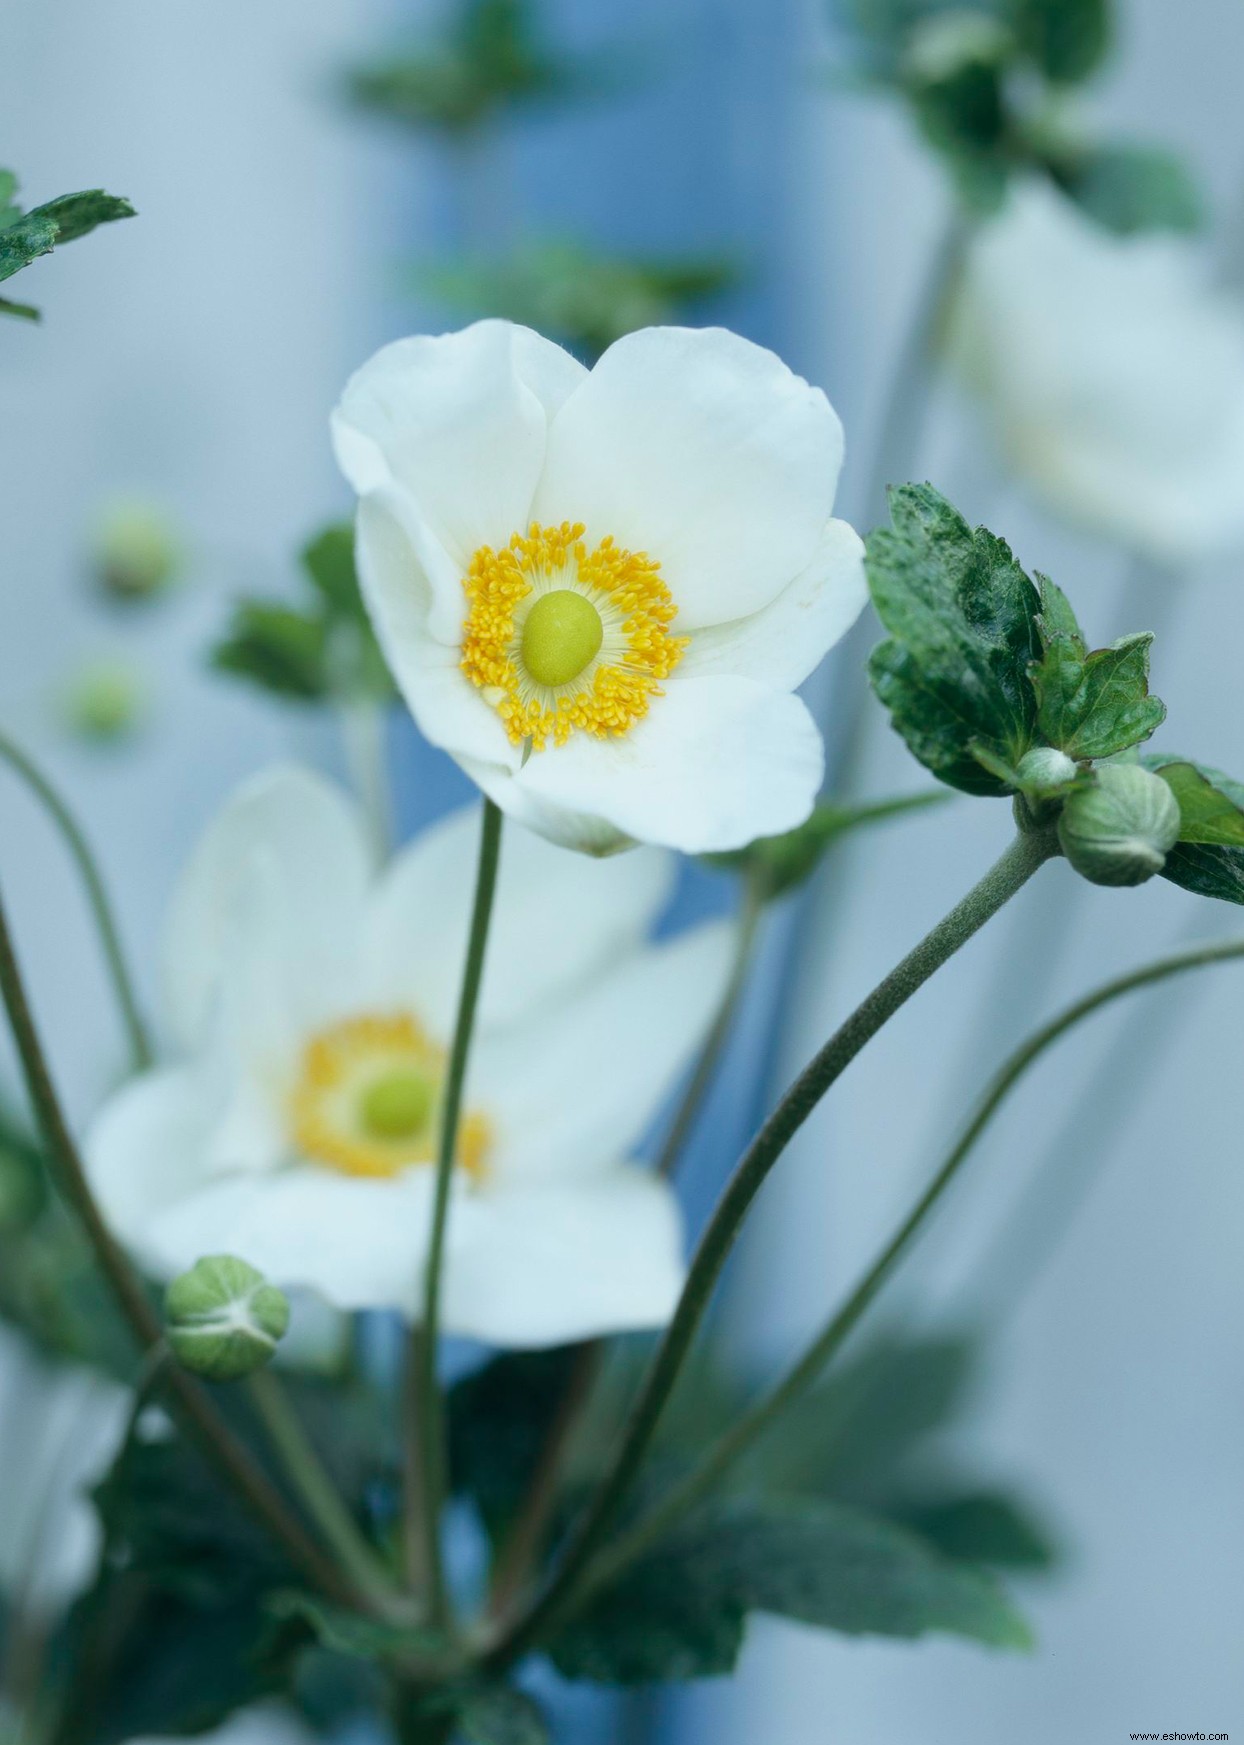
(315, 177)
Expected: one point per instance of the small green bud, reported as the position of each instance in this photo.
(1043, 770)
(1119, 831)
(135, 556)
(223, 1319)
(104, 702)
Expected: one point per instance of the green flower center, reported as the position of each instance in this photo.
(397, 1105)
(561, 636)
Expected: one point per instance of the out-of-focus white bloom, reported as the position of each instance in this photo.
(598, 590)
(266, 1725)
(313, 1005)
(1113, 375)
(60, 1426)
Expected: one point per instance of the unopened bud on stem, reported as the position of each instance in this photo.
(223, 1319)
(1119, 831)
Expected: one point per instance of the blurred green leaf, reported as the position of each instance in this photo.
(1067, 39)
(962, 617)
(1132, 188)
(1208, 860)
(983, 1527)
(680, 1612)
(502, 1717)
(328, 561)
(492, 58)
(499, 1419)
(278, 648)
(584, 299)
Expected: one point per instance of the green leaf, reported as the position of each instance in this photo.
(502, 1717)
(783, 862)
(499, 1419)
(680, 1612)
(1132, 188)
(276, 647)
(1095, 705)
(1057, 617)
(584, 298)
(1209, 860)
(1068, 39)
(982, 1527)
(328, 561)
(346, 1633)
(64, 219)
(24, 311)
(962, 617)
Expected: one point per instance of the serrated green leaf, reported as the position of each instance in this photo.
(962, 617)
(783, 862)
(680, 1612)
(1207, 867)
(1057, 617)
(983, 1527)
(277, 648)
(1096, 705)
(503, 1717)
(1068, 39)
(1132, 188)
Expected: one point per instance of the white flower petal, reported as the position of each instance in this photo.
(459, 423)
(785, 641)
(448, 708)
(144, 1151)
(1112, 371)
(555, 922)
(717, 762)
(550, 1264)
(359, 1243)
(706, 452)
(561, 825)
(276, 889)
(577, 1090)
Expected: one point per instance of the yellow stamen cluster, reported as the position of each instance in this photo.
(615, 685)
(367, 1100)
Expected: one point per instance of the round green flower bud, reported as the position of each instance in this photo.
(223, 1320)
(104, 702)
(1119, 831)
(1043, 770)
(135, 556)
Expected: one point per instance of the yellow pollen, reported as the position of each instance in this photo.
(560, 639)
(367, 1100)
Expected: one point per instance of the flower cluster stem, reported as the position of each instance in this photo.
(429, 1407)
(1026, 853)
(72, 834)
(194, 1408)
(752, 1424)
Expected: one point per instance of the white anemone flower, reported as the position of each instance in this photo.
(313, 1003)
(598, 589)
(1112, 373)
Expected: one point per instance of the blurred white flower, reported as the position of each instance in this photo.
(598, 590)
(1112, 373)
(313, 1004)
(60, 1426)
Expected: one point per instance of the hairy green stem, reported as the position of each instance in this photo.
(319, 1495)
(748, 1428)
(1027, 852)
(75, 841)
(430, 1426)
(195, 1410)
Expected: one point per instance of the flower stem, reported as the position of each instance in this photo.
(1026, 853)
(430, 1426)
(521, 1551)
(320, 1496)
(232, 1459)
(101, 909)
(757, 1419)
